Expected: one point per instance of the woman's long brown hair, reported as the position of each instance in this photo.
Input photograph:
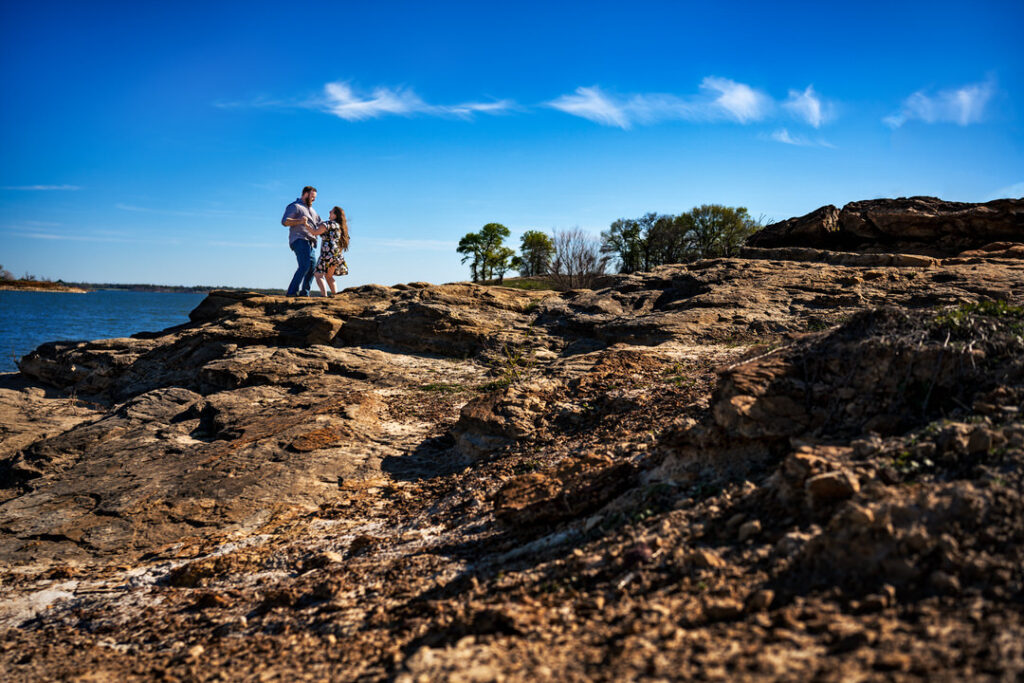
(343, 242)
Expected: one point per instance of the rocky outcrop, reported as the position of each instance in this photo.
(913, 225)
(804, 462)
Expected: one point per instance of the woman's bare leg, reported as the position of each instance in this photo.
(330, 279)
(320, 283)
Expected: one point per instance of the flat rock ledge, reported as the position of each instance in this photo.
(803, 462)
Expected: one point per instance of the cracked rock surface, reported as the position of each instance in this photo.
(802, 463)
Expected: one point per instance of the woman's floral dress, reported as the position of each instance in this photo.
(330, 251)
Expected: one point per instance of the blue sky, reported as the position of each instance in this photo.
(161, 144)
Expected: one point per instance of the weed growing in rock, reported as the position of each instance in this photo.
(676, 375)
(526, 466)
(512, 366)
(908, 464)
(970, 319)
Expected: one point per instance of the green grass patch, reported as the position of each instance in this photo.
(444, 387)
(531, 307)
(963, 315)
(531, 284)
(495, 385)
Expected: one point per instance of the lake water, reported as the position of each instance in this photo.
(28, 319)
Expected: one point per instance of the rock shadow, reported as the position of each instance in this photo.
(432, 458)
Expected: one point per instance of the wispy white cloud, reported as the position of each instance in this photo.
(43, 188)
(593, 105)
(1014, 191)
(73, 238)
(739, 100)
(808, 106)
(269, 186)
(210, 213)
(720, 99)
(784, 136)
(96, 238)
(716, 99)
(963, 106)
(341, 100)
(28, 229)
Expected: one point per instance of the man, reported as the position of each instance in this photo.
(300, 218)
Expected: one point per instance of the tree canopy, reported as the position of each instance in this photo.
(486, 252)
(706, 231)
(536, 250)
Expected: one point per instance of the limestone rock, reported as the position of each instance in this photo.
(804, 462)
(924, 225)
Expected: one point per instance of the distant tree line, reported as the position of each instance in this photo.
(569, 258)
(574, 258)
(707, 231)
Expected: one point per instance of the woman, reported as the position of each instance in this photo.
(334, 242)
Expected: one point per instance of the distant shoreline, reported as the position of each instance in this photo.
(29, 286)
(86, 287)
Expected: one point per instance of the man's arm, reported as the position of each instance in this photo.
(291, 216)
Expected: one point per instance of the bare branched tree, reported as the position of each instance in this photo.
(577, 261)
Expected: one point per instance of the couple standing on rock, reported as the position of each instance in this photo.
(304, 225)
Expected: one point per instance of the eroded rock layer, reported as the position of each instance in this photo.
(916, 225)
(800, 463)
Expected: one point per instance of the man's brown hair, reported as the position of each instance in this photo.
(306, 190)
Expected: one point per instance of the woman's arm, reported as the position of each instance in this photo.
(320, 229)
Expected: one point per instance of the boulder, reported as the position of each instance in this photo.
(921, 225)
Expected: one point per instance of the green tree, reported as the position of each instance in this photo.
(500, 261)
(718, 230)
(471, 247)
(492, 238)
(536, 249)
(625, 240)
(485, 251)
(666, 241)
(638, 243)
(706, 231)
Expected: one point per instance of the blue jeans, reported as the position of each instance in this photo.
(304, 273)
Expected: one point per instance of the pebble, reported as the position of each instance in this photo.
(735, 521)
(749, 530)
(831, 486)
(761, 600)
(858, 515)
(637, 554)
(705, 559)
(980, 441)
(945, 583)
(726, 608)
